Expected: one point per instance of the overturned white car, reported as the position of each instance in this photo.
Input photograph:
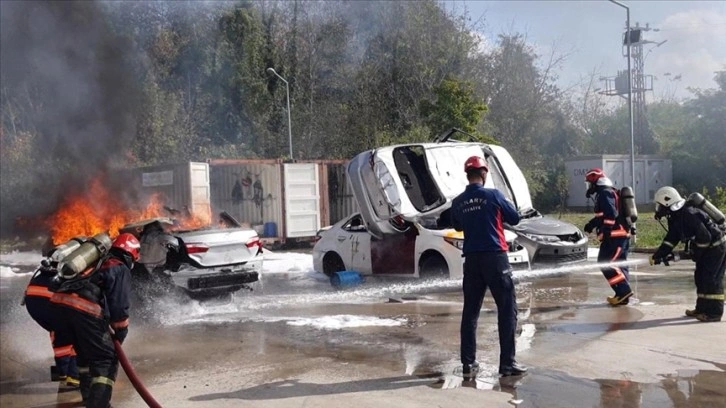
(411, 186)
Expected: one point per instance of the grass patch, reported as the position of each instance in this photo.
(649, 232)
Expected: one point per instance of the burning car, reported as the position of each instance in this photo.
(187, 253)
(206, 262)
(415, 182)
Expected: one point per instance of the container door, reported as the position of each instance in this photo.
(302, 199)
(201, 201)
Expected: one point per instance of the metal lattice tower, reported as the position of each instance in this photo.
(641, 83)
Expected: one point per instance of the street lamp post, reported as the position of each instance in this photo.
(289, 121)
(630, 95)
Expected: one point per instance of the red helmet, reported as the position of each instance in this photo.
(128, 243)
(475, 162)
(594, 175)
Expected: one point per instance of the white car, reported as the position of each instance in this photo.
(413, 182)
(408, 249)
(204, 263)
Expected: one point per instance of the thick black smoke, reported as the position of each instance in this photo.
(70, 76)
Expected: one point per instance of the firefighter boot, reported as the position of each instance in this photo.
(469, 371)
(620, 300)
(99, 396)
(85, 385)
(697, 310)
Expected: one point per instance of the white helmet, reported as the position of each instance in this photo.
(668, 197)
(604, 181)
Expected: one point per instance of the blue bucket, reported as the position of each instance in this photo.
(270, 230)
(346, 279)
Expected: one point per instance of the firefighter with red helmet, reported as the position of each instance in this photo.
(612, 231)
(89, 304)
(37, 301)
(481, 213)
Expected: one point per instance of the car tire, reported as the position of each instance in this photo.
(332, 263)
(433, 266)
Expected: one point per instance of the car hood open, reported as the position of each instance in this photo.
(420, 180)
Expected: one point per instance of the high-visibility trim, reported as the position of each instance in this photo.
(74, 301)
(620, 277)
(120, 325)
(706, 245)
(52, 336)
(38, 291)
(599, 214)
(102, 380)
(64, 351)
(712, 297)
(619, 234)
(617, 253)
(608, 222)
(84, 370)
(666, 243)
(719, 242)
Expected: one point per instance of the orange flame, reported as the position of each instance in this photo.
(98, 211)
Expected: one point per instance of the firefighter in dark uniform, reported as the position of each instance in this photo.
(613, 233)
(89, 306)
(707, 244)
(481, 213)
(47, 315)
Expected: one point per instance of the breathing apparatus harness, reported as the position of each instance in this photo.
(715, 221)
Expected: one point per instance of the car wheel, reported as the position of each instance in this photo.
(332, 263)
(433, 266)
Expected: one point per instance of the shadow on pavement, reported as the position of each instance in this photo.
(295, 388)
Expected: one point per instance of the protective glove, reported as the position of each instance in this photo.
(120, 334)
(588, 228)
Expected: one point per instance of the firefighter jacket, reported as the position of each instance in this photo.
(607, 221)
(690, 224)
(105, 293)
(481, 213)
(40, 282)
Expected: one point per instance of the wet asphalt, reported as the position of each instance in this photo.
(296, 341)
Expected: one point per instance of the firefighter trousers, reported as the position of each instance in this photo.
(47, 316)
(709, 281)
(618, 277)
(491, 270)
(92, 340)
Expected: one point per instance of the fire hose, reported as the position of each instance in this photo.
(134, 378)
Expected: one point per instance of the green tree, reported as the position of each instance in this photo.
(455, 105)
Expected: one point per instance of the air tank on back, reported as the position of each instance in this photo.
(63, 250)
(699, 201)
(85, 256)
(627, 198)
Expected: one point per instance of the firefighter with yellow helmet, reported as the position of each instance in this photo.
(692, 221)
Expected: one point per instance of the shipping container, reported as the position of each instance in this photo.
(651, 173)
(250, 191)
(183, 187)
(284, 202)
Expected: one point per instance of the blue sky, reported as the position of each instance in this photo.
(590, 31)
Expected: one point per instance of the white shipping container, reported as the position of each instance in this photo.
(651, 173)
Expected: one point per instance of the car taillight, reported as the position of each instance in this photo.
(458, 243)
(254, 242)
(197, 248)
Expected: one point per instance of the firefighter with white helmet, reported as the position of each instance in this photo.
(612, 231)
(90, 302)
(707, 244)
